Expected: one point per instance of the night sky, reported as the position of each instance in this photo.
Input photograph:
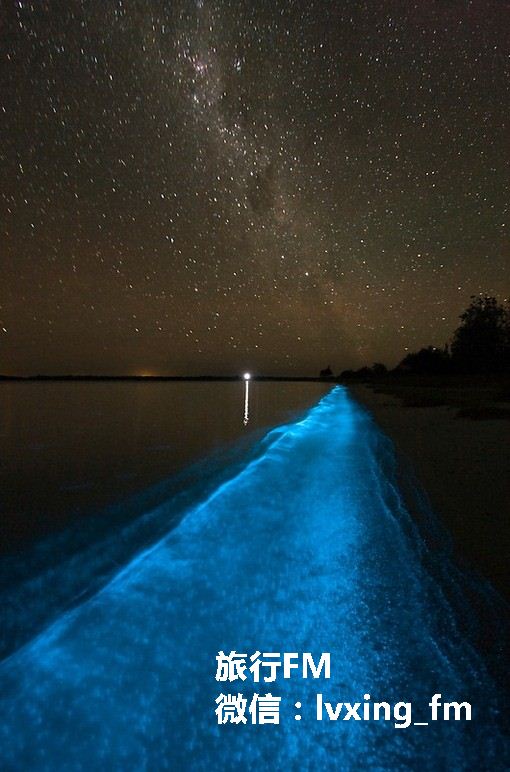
(208, 186)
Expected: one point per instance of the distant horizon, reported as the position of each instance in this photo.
(160, 376)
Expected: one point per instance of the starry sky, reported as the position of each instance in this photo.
(206, 186)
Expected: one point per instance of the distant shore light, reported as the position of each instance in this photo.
(247, 376)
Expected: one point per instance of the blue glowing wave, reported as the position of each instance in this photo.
(310, 547)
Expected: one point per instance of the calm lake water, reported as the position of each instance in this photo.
(71, 449)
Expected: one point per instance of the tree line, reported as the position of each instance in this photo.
(480, 345)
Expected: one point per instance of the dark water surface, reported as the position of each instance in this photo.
(69, 449)
(93, 473)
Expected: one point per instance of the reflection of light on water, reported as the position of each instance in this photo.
(246, 417)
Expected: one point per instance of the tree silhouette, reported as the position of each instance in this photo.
(379, 369)
(481, 344)
(435, 361)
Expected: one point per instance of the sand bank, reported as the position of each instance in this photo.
(464, 466)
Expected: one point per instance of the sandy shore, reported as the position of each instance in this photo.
(464, 466)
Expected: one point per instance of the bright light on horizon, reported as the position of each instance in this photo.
(246, 417)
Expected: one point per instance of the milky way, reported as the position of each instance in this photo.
(211, 186)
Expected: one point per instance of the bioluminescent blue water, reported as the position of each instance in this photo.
(308, 548)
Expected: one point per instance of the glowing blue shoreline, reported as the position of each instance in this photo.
(308, 548)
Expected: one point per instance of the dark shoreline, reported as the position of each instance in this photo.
(462, 466)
